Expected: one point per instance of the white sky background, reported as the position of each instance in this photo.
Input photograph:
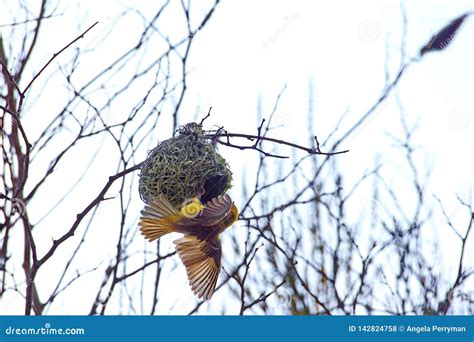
(251, 49)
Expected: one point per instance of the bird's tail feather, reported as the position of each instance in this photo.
(153, 228)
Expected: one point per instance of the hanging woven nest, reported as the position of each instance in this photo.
(184, 167)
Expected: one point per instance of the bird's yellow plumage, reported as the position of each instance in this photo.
(200, 248)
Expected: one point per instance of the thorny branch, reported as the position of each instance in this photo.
(221, 133)
(257, 139)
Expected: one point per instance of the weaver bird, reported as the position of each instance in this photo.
(200, 248)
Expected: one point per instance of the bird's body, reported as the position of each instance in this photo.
(200, 248)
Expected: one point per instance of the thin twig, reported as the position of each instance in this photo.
(56, 54)
(258, 138)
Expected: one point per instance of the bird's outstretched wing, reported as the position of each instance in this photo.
(159, 207)
(202, 259)
(214, 211)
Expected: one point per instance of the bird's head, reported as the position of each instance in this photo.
(233, 215)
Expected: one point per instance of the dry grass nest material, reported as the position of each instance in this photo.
(181, 168)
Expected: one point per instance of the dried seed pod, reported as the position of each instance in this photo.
(442, 39)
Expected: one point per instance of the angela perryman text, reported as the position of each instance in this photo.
(435, 329)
